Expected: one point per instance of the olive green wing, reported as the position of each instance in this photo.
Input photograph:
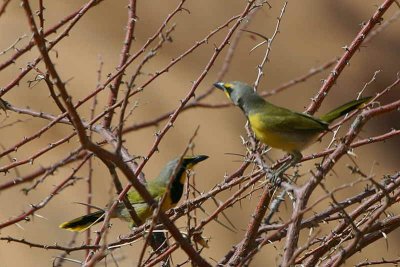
(155, 189)
(279, 119)
(344, 109)
(142, 209)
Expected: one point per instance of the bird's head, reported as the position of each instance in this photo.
(236, 91)
(186, 163)
(189, 161)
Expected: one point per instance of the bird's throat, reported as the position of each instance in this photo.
(177, 186)
(251, 103)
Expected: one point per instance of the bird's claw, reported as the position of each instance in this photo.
(275, 178)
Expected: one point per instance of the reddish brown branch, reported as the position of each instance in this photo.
(46, 247)
(4, 6)
(40, 43)
(328, 163)
(348, 54)
(44, 202)
(129, 37)
(248, 242)
(74, 17)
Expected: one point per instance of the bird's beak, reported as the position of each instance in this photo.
(220, 85)
(198, 158)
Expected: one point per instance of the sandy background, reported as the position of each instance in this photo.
(312, 32)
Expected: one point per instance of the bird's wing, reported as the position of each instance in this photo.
(285, 120)
(156, 190)
(308, 122)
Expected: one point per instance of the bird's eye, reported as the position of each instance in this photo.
(228, 86)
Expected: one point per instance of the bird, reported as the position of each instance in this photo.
(279, 127)
(175, 170)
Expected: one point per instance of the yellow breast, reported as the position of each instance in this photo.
(284, 140)
(143, 210)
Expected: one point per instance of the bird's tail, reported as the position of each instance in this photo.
(84, 222)
(344, 109)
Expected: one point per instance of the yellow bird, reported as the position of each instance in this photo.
(279, 127)
(156, 187)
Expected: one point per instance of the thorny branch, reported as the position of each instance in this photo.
(355, 222)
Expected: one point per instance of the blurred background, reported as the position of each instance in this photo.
(311, 33)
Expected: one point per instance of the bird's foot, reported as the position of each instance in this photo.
(275, 178)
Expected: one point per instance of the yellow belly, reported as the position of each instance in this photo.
(143, 210)
(287, 141)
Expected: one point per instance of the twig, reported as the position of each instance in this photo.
(129, 37)
(345, 58)
(269, 42)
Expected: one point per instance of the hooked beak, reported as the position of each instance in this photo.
(219, 85)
